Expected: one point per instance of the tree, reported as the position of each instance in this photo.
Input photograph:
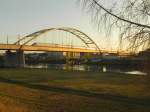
(130, 17)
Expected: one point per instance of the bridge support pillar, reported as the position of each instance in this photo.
(72, 57)
(14, 59)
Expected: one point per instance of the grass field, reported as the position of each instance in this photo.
(43, 90)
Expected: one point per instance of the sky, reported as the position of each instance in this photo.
(22, 17)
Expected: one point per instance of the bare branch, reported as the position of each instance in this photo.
(131, 18)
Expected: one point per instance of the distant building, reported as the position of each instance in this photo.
(71, 55)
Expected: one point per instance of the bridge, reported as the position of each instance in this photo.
(46, 48)
(24, 44)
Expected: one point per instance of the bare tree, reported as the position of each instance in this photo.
(130, 17)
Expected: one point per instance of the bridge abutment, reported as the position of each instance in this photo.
(14, 59)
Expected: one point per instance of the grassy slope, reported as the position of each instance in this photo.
(42, 90)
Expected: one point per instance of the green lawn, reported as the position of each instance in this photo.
(43, 90)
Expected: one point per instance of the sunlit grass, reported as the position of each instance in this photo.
(43, 90)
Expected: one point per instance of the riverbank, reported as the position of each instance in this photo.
(45, 90)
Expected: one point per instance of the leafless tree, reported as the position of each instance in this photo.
(130, 17)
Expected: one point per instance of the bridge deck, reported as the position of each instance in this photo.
(55, 49)
(45, 48)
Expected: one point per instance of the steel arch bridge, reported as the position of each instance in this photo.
(79, 34)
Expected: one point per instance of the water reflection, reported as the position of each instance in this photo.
(136, 73)
(94, 68)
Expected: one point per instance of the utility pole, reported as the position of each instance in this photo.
(7, 39)
(18, 39)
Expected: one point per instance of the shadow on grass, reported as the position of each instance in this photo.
(116, 98)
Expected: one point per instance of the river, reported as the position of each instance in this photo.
(94, 68)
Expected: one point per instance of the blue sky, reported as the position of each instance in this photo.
(22, 17)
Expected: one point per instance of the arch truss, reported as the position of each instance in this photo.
(79, 34)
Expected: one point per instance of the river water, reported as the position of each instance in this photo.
(94, 68)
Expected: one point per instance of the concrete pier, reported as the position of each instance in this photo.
(14, 59)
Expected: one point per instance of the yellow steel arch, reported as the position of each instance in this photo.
(82, 36)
